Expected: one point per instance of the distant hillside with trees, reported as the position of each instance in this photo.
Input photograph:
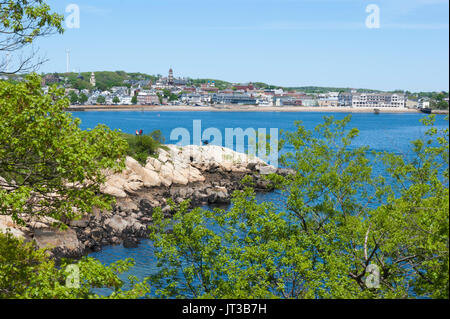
(221, 85)
(105, 80)
(321, 90)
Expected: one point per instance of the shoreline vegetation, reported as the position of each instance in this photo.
(240, 108)
(76, 191)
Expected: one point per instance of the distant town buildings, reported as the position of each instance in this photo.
(209, 87)
(172, 90)
(423, 103)
(170, 81)
(233, 99)
(372, 100)
(245, 87)
(331, 99)
(147, 98)
(51, 79)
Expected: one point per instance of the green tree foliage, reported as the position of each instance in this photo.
(338, 224)
(28, 273)
(160, 98)
(73, 97)
(101, 100)
(83, 98)
(221, 85)
(116, 100)
(134, 100)
(106, 80)
(169, 95)
(262, 85)
(322, 90)
(74, 82)
(48, 165)
(440, 105)
(438, 101)
(434, 95)
(158, 136)
(21, 23)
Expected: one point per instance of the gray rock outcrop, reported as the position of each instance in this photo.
(206, 175)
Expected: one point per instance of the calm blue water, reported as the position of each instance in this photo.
(390, 132)
(384, 132)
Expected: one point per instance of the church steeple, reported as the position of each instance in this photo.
(170, 78)
(92, 80)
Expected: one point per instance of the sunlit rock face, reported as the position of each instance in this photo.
(205, 175)
(177, 165)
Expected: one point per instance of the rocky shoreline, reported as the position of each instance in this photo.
(206, 175)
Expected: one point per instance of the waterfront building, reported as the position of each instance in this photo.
(331, 99)
(277, 101)
(147, 98)
(195, 98)
(125, 100)
(264, 100)
(242, 99)
(286, 100)
(327, 103)
(372, 100)
(412, 104)
(423, 103)
(345, 99)
(309, 102)
(376, 100)
(398, 100)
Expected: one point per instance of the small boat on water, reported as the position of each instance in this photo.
(377, 111)
(426, 110)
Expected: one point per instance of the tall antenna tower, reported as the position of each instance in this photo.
(7, 61)
(67, 60)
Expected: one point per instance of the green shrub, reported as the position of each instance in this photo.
(143, 146)
(29, 273)
(158, 136)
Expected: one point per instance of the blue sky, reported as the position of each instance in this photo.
(282, 42)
